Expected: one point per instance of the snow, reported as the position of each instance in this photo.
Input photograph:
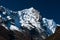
(8, 17)
(12, 27)
(29, 18)
(4, 26)
(50, 25)
(4, 13)
(0, 16)
(58, 25)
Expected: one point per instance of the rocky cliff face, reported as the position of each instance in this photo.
(26, 24)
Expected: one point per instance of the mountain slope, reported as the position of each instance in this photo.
(27, 21)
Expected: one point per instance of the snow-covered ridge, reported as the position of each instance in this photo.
(50, 25)
(24, 17)
(29, 18)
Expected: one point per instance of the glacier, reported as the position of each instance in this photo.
(27, 18)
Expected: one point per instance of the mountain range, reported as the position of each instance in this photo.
(26, 24)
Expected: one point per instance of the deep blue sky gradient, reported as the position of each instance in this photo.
(47, 8)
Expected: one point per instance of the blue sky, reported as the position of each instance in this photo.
(48, 8)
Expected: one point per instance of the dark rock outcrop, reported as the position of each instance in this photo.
(6, 34)
(14, 35)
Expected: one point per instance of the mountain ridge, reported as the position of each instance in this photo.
(27, 19)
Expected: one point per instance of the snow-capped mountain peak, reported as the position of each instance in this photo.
(26, 18)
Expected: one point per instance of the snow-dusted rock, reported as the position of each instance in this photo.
(50, 25)
(29, 18)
